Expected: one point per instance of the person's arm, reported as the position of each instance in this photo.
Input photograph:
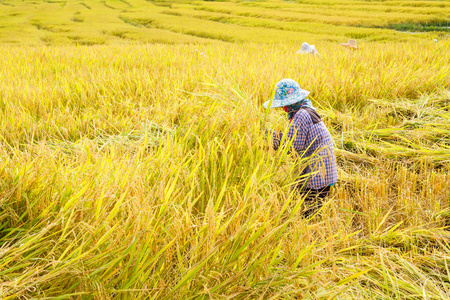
(298, 130)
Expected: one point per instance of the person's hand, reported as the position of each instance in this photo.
(267, 133)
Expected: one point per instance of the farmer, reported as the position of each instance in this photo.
(310, 139)
(350, 44)
(307, 48)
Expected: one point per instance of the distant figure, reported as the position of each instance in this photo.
(435, 40)
(350, 44)
(307, 48)
(310, 139)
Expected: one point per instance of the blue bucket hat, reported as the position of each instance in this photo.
(287, 92)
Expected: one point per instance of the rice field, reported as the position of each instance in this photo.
(97, 22)
(133, 162)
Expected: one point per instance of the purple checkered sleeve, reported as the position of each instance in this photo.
(309, 139)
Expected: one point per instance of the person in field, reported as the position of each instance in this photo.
(307, 48)
(310, 139)
(350, 44)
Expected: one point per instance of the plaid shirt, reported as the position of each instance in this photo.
(309, 139)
